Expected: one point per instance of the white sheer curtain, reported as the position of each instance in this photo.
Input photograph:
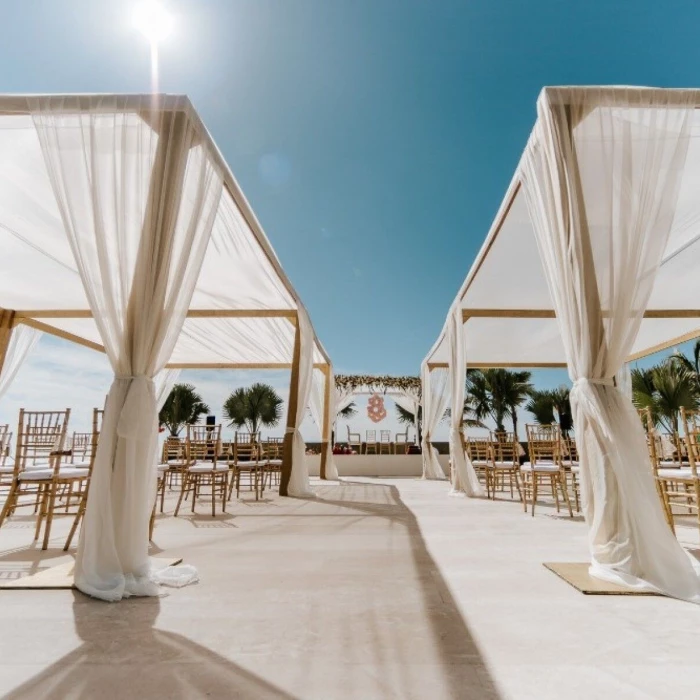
(601, 177)
(435, 397)
(138, 196)
(164, 382)
(316, 405)
(464, 478)
(299, 485)
(21, 343)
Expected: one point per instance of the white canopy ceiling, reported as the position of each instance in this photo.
(243, 309)
(506, 283)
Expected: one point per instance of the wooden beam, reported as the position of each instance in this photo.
(292, 409)
(7, 322)
(550, 313)
(326, 429)
(192, 313)
(692, 335)
(58, 333)
(493, 365)
(236, 365)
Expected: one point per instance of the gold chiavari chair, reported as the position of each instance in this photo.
(245, 461)
(385, 442)
(6, 469)
(680, 487)
(97, 415)
(80, 446)
(41, 437)
(653, 448)
(203, 468)
(272, 451)
(354, 440)
(545, 467)
(174, 458)
(371, 441)
(479, 451)
(505, 463)
(401, 443)
(572, 469)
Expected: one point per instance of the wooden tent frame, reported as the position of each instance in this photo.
(9, 318)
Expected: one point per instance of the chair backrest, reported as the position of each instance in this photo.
(505, 448)
(246, 447)
(41, 438)
(478, 448)
(544, 443)
(385, 436)
(97, 416)
(652, 446)
(174, 450)
(353, 438)
(273, 448)
(691, 426)
(5, 440)
(81, 445)
(371, 436)
(401, 438)
(203, 442)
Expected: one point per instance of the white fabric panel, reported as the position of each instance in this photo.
(22, 341)
(138, 208)
(164, 382)
(464, 478)
(602, 203)
(299, 480)
(237, 273)
(435, 396)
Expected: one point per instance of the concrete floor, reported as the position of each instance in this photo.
(377, 589)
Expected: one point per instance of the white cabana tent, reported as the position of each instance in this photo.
(591, 262)
(122, 229)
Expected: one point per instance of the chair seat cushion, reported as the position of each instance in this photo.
(47, 474)
(505, 465)
(575, 470)
(76, 465)
(6, 470)
(540, 467)
(204, 467)
(274, 463)
(684, 474)
(162, 468)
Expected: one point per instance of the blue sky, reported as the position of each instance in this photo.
(374, 138)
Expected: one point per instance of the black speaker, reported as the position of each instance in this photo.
(211, 420)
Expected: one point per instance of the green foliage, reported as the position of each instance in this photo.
(349, 411)
(664, 388)
(253, 407)
(541, 405)
(496, 394)
(183, 405)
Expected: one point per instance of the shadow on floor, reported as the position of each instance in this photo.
(123, 656)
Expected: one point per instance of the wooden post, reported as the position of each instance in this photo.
(325, 432)
(292, 410)
(6, 326)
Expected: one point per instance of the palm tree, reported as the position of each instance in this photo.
(252, 407)
(562, 405)
(664, 388)
(183, 405)
(407, 418)
(691, 366)
(348, 412)
(541, 405)
(497, 393)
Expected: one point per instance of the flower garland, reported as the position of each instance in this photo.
(377, 383)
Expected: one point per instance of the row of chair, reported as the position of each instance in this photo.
(676, 471)
(384, 445)
(552, 465)
(51, 473)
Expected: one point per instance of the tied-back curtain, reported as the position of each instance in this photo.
(21, 343)
(435, 397)
(299, 485)
(138, 195)
(601, 177)
(319, 410)
(464, 478)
